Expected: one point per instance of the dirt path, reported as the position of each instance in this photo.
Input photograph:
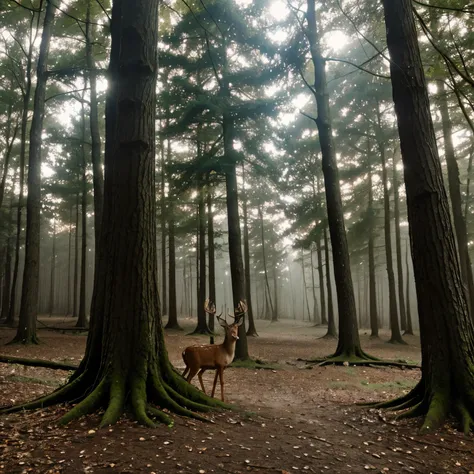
(292, 419)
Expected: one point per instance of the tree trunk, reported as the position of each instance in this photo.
(264, 258)
(26, 332)
(53, 271)
(23, 133)
(349, 343)
(305, 286)
(447, 332)
(8, 268)
(455, 196)
(126, 367)
(212, 258)
(398, 245)
(396, 336)
(97, 174)
(201, 327)
(374, 323)
(172, 308)
(322, 295)
(69, 253)
(82, 316)
(163, 215)
(409, 320)
(331, 332)
(76, 261)
(315, 299)
(252, 330)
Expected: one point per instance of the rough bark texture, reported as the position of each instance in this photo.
(7, 280)
(409, 329)
(76, 260)
(26, 332)
(126, 367)
(446, 330)
(454, 187)
(349, 342)
(97, 174)
(264, 258)
(398, 246)
(52, 282)
(316, 317)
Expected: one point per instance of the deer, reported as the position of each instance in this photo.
(216, 357)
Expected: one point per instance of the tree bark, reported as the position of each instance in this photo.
(212, 258)
(315, 299)
(53, 271)
(409, 329)
(264, 258)
(82, 316)
(8, 268)
(349, 342)
(26, 333)
(331, 332)
(454, 187)
(322, 296)
(446, 330)
(172, 308)
(126, 367)
(396, 336)
(76, 261)
(398, 245)
(163, 215)
(252, 330)
(97, 174)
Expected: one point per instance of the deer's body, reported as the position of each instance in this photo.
(216, 357)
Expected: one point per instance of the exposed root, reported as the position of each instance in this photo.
(116, 403)
(204, 332)
(174, 327)
(437, 412)
(414, 396)
(418, 410)
(36, 363)
(467, 421)
(161, 416)
(397, 341)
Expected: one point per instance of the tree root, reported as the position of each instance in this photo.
(48, 364)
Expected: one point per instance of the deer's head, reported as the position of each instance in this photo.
(232, 330)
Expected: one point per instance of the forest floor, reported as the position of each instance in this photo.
(295, 419)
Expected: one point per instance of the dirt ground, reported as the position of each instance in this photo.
(292, 418)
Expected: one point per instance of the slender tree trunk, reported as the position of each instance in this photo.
(82, 316)
(97, 174)
(315, 299)
(447, 331)
(264, 257)
(23, 134)
(172, 308)
(53, 271)
(8, 268)
(374, 323)
(76, 262)
(398, 245)
(26, 332)
(409, 320)
(305, 286)
(349, 342)
(69, 253)
(212, 257)
(331, 332)
(252, 330)
(164, 307)
(322, 295)
(396, 335)
(468, 183)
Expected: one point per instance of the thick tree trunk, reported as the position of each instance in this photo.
(97, 174)
(172, 308)
(322, 296)
(11, 131)
(82, 316)
(26, 332)
(349, 342)
(447, 332)
(396, 335)
(398, 245)
(455, 196)
(126, 367)
(252, 330)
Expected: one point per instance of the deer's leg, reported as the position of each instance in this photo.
(192, 373)
(221, 378)
(185, 371)
(215, 382)
(200, 379)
